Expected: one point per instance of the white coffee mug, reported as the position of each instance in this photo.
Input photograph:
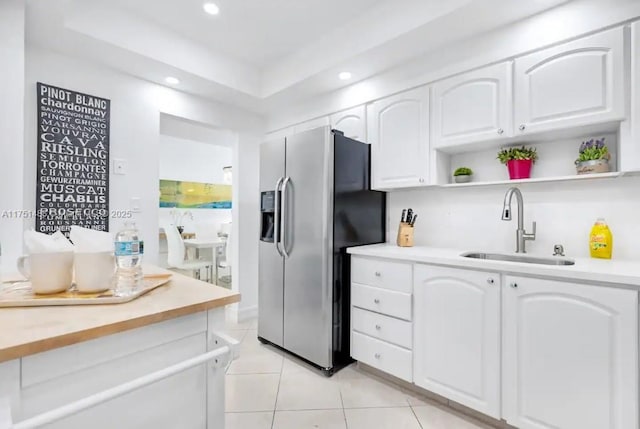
(94, 271)
(47, 272)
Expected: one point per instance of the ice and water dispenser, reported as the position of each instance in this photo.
(268, 218)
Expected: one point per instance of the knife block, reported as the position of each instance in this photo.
(405, 235)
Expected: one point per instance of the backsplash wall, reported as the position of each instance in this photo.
(470, 218)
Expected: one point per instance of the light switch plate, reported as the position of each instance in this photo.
(119, 166)
(135, 205)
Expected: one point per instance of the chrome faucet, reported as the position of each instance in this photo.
(521, 235)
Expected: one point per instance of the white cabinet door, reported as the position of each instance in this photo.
(457, 335)
(472, 107)
(352, 122)
(570, 355)
(398, 130)
(577, 83)
(630, 147)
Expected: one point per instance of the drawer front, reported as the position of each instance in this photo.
(384, 328)
(386, 357)
(383, 301)
(382, 273)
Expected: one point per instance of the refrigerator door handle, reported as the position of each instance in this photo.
(284, 217)
(276, 214)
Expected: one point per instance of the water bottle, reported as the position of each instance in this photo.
(128, 251)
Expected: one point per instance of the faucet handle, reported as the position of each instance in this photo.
(531, 235)
(558, 250)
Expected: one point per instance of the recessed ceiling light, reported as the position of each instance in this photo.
(344, 76)
(172, 80)
(211, 8)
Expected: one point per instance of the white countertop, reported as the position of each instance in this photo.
(618, 272)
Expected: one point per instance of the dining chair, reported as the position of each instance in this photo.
(176, 255)
(226, 263)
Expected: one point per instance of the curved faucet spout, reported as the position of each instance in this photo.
(521, 235)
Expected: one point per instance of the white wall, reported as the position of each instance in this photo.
(470, 218)
(12, 33)
(136, 107)
(192, 161)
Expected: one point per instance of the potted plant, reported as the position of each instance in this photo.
(519, 161)
(462, 175)
(593, 157)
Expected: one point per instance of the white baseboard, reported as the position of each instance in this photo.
(247, 313)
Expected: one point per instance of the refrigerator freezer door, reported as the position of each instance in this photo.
(308, 239)
(271, 263)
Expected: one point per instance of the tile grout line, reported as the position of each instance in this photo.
(344, 413)
(416, 416)
(273, 418)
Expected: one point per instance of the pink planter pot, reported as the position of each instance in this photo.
(519, 168)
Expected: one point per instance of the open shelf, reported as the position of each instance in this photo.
(536, 180)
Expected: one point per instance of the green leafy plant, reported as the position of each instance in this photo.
(592, 150)
(517, 153)
(463, 171)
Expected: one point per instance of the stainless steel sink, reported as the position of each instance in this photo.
(517, 258)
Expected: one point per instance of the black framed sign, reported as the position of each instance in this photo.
(73, 160)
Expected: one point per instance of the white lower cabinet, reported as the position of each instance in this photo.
(538, 353)
(570, 355)
(457, 335)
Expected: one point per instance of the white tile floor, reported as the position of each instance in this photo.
(267, 389)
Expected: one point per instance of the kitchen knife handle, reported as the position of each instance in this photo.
(404, 213)
(413, 221)
(276, 215)
(285, 220)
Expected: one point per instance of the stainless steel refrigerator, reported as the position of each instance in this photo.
(315, 202)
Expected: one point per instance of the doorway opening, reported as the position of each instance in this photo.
(196, 199)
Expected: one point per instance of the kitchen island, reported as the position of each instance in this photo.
(157, 361)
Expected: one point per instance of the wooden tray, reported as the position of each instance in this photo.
(20, 294)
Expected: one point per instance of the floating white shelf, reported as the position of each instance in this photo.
(537, 180)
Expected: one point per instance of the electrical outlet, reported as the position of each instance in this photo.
(119, 166)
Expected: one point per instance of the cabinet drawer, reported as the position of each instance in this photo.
(383, 274)
(382, 327)
(383, 301)
(386, 357)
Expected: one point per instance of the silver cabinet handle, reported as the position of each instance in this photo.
(276, 214)
(514, 285)
(284, 218)
(377, 301)
(377, 356)
(490, 281)
(500, 131)
(521, 127)
(378, 327)
(378, 274)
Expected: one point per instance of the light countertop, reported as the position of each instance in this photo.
(29, 330)
(615, 272)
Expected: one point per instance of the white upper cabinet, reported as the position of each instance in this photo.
(398, 130)
(570, 355)
(457, 335)
(630, 159)
(577, 83)
(474, 106)
(352, 122)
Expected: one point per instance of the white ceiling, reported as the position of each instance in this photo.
(257, 31)
(258, 54)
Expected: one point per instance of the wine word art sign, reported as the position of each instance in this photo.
(73, 160)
